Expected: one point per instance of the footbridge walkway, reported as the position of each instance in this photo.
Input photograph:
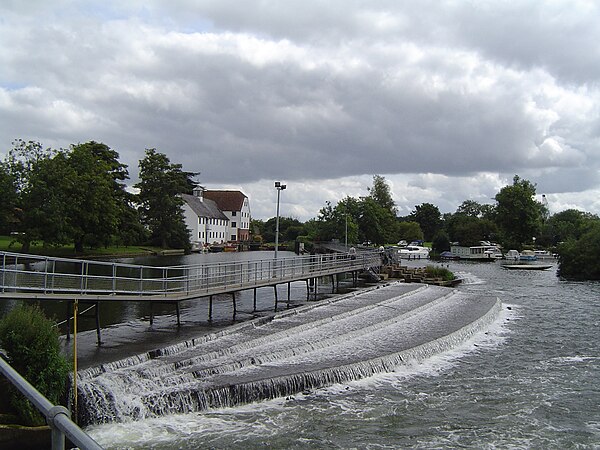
(25, 276)
(38, 277)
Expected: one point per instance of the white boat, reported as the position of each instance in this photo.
(528, 255)
(476, 252)
(513, 255)
(413, 252)
(544, 254)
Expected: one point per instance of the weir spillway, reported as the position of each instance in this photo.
(336, 340)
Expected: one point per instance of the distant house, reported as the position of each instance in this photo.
(207, 223)
(235, 205)
(216, 217)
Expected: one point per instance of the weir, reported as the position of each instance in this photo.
(333, 341)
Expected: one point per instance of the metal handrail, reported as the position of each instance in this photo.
(46, 276)
(57, 417)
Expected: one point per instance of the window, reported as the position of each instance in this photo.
(233, 237)
(233, 224)
(233, 213)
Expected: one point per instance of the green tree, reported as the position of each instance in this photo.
(160, 185)
(289, 229)
(333, 222)
(428, 216)
(441, 242)
(578, 258)
(42, 180)
(381, 193)
(8, 194)
(409, 231)
(568, 224)
(69, 196)
(518, 214)
(129, 229)
(376, 224)
(470, 208)
(469, 229)
(96, 194)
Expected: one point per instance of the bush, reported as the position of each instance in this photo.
(439, 272)
(578, 259)
(32, 348)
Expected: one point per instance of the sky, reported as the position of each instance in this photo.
(448, 100)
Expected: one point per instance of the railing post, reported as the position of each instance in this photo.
(141, 280)
(3, 271)
(45, 275)
(53, 275)
(186, 271)
(16, 271)
(58, 437)
(114, 278)
(81, 284)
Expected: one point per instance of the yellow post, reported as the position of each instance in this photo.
(75, 313)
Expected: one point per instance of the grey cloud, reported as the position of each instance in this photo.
(314, 91)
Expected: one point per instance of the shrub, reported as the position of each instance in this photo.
(30, 341)
(578, 259)
(439, 272)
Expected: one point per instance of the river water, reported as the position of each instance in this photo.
(530, 381)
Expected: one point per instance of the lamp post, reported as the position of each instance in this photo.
(280, 187)
(346, 239)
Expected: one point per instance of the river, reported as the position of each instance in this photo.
(530, 381)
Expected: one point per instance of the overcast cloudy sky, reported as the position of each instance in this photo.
(446, 99)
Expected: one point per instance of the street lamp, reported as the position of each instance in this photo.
(280, 187)
(346, 239)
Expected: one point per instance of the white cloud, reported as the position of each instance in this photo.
(447, 99)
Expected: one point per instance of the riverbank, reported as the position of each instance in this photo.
(9, 244)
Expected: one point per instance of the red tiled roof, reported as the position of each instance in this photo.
(226, 200)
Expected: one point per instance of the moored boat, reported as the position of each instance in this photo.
(485, 252)
(413, 252)
(528, 255)
(527, 266)
(512, 255)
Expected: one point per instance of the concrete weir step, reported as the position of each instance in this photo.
(336, 340)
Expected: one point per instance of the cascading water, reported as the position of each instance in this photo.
(336, 340)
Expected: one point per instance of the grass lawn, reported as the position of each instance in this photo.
(8, 244)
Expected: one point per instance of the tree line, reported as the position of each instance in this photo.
(79, 196)
(515, 221)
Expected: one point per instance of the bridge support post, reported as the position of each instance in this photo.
(234, 305)
(333, 284)
(69, 307)
(210, 301)
(254, 310)
(276, 299)
(98, 335)
(151, 313)
(289, 292)
(178, 314)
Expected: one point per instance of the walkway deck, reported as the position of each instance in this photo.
(44, 278)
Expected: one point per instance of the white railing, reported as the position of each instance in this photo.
(57, 417)
(40, 275)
